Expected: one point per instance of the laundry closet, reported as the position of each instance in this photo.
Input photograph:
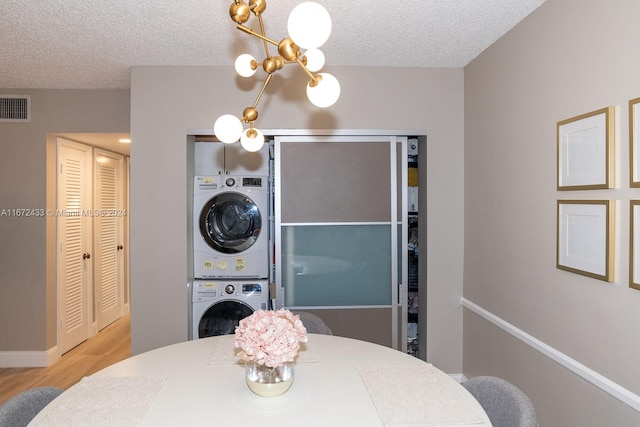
(341, 224)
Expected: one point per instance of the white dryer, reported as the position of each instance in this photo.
(230, 227)
(218, 306)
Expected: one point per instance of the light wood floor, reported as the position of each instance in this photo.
(109, 346)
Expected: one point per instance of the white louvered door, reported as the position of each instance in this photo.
(74, 244)
(108, 236)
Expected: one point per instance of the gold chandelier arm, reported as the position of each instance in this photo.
(258, 35)
(266, 46)
(264, 86)
(306, 70)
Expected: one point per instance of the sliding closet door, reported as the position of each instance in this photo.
(338, 230)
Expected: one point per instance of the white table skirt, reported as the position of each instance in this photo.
(338, 382)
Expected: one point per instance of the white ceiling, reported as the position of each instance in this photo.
(91, 44)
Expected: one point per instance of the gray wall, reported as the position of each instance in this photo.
(27, 246)
(167, 101)
(567, 58)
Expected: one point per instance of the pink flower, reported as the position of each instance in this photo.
(269, 337)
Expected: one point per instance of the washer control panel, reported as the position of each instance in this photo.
(207, 290)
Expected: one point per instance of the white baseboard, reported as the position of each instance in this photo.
(28, 359)
(614, 389)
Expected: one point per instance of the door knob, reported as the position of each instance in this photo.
(86, 256)
(120, 247)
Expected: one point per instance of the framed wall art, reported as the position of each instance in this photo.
(585, 151)
(585, 234)
(634, 245)
(634, 137)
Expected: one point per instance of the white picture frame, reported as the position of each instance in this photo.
(585, 232)
(634, 140)
(585, 151)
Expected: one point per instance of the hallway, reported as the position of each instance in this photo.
(111, 345)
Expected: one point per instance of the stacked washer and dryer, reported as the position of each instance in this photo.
(230, 237)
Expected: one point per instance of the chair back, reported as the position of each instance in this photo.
(22, 408)
(505, 404)
(313, 323)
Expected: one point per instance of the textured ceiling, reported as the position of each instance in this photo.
(91, 44)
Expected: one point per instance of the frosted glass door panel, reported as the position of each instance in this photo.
(336, 265)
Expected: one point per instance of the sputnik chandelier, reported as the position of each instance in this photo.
(309, 27)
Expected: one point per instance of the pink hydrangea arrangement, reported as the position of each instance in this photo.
(270, 337)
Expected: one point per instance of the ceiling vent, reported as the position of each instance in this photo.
(15, 108)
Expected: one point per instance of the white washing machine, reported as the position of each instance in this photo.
(230, 227)
(219, 305)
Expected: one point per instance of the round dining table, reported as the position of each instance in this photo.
(338, 382)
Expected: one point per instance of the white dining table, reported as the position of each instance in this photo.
(338, 382)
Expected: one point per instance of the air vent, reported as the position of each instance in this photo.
(15, 108)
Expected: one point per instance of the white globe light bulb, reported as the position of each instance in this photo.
(252, 143)
(243, 65)
(228, 128)
(309, 25)
(315, 60)
(325, 93)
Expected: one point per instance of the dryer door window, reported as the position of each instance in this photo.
(230, 222)
(222, 318)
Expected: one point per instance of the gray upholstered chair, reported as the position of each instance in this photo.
(505, 404)
(22, 408)
(313, 323)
